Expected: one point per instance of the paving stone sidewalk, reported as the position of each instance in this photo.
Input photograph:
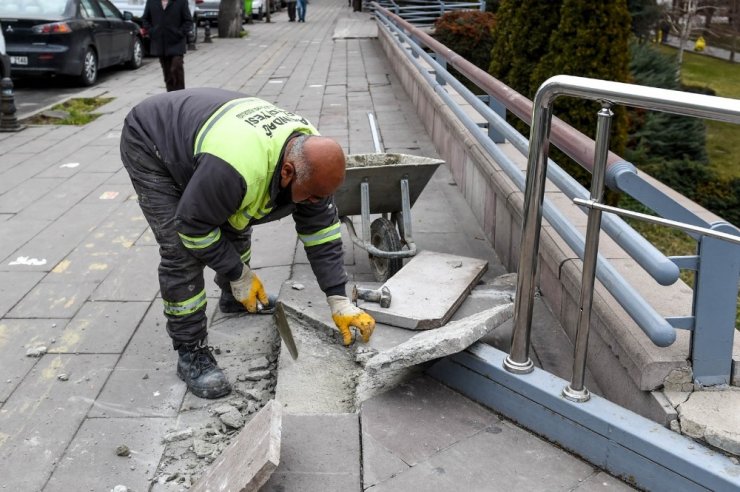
(78, 284)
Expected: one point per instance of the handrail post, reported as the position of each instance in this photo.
(715, 291)
(518, 360)
(576, 391)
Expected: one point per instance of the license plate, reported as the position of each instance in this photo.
(19, 60)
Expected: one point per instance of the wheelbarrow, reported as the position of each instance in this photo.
(388, 184)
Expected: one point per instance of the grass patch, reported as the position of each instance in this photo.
(723, 139)
(707, 71)
(76, 111)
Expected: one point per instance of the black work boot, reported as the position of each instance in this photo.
(228, 304)
(197, 367)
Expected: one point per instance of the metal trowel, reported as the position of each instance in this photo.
(284, 330)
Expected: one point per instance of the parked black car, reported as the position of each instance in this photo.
(68, 37)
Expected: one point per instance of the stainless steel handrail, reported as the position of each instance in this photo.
(657, 328)
(574, 143)
(675, 102)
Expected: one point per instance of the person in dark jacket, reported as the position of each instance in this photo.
(169, 24)
(222, 163)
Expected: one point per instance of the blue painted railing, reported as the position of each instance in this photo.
(424, 13)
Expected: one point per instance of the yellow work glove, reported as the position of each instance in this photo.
(248, 289)
(346, 314)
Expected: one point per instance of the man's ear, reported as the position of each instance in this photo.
(287, 170)
(287, 173)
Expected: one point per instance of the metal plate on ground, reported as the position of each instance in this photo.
(427, 290)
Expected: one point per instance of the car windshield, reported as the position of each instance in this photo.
(37, 9)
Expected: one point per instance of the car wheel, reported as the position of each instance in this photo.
(89, 73)
(137, 55)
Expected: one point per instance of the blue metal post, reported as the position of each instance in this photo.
(443, 63)
(715, 301)
(500, 110)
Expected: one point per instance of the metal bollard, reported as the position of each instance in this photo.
(207, 35)
(8, 120)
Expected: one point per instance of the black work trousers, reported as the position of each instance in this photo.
(180, 273)
(173, 69)
(291, 11)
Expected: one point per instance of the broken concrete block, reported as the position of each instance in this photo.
(427, 290)
(258, 364)
(713, 416)
(256, 375)
(233, 418)
(390, 367)
(680, 380)
(251, 458)
(178, 435)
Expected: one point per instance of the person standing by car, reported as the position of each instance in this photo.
(169, 24)
(291, 10)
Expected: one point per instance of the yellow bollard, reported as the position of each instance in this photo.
(700, 44)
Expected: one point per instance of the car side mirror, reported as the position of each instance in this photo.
(128, 16)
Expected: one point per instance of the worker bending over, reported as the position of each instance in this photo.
(207, 165)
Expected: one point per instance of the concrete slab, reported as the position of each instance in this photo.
(355, 27)
(53, 300)
(133, 278)
(427, 290)
(17, 336)
(713, 416)
(602, 481)
(265, 241)
(319, 453)
(378, 463)
(141, 387)
(478, 462)
(384, 369)
(42, 416)
(94, 450)
(100, 327)
(418, 419)
(251, 458)
(14, 286)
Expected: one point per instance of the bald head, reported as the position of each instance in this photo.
(314, 167)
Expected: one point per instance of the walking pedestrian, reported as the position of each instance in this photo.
(302, 10)
(169, 25)
(222, 163)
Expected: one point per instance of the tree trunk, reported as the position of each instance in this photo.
(230, 19)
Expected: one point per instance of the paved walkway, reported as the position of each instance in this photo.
(78, 284)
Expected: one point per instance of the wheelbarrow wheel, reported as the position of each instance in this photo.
(384, 236)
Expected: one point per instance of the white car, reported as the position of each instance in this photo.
(2, 41)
